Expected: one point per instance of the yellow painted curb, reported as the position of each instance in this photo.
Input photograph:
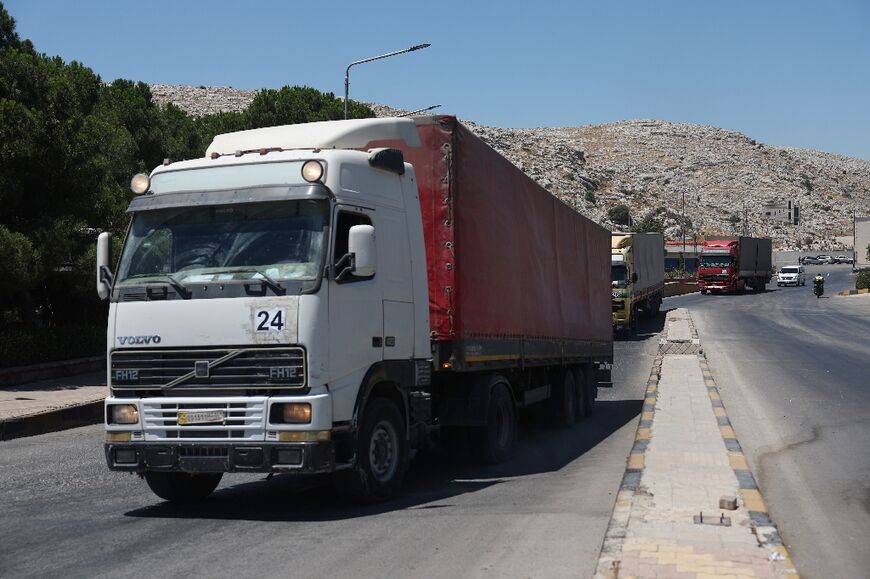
(635, 461)
(738, 461)
(752, 500)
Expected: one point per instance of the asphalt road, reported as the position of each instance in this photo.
(794, 372)
(543, 514)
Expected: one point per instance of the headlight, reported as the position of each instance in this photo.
(140, 183)
(123, 414)
(290, 413)
(312, 171)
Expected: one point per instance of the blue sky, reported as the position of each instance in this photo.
(785, 72)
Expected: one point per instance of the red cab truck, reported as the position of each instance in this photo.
(733, 264)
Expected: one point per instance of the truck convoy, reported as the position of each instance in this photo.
(732, 264)
(332, 297)
(637, 274)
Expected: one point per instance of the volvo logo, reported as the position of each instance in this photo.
(136, 340)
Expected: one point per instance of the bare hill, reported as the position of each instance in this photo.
(653, 167)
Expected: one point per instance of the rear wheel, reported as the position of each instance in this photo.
(583, 376)
(382, 455)
(496, 441)
(182, 487)
(565, 400)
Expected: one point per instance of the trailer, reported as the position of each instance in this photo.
(862, 244)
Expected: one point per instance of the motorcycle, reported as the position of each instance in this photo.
(818, 287)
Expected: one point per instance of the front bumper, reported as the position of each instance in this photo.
(299, 457)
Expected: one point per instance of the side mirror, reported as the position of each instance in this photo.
(361, 243)
(104, 263)
(634, 277)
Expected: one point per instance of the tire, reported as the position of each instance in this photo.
(496, 442)
(382, 455)
(703, 292)
(585, 379)
(182, 487)
(565, 400)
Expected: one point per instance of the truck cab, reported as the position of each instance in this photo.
(264, 296)
(718, 267)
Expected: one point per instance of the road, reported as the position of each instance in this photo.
(543, 514)
(794, 372)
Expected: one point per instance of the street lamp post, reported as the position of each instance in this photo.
(379, 57)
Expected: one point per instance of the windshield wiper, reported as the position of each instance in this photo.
(179, 288)
(276, 287)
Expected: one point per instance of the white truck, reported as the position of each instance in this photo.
(637, 274)
(303, 300)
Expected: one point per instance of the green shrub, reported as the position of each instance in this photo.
(590, 198)
(619, 215)
(862, 280)
(37, 345)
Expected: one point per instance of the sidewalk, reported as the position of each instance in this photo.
(689, 506)
(50, 405)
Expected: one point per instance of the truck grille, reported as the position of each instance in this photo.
(244, 419)
(217, 368)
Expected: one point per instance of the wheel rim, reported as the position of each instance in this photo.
(383, 451)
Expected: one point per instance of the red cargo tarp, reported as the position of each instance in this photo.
(505, 258)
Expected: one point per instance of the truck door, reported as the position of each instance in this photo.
(356, 316)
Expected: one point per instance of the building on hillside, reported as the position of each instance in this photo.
(785, 211)
(678, 253)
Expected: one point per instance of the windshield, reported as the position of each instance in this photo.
(789, 270)
(277, 240)
(716, 260)
(618, 276)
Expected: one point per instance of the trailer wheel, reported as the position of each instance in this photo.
(182, 487)
(382, 455)
(496, 441)
(588, 386)
(566, 400)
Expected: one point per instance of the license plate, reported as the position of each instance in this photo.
(204, 417)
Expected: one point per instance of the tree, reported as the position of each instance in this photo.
(619, 215)
(649, 224)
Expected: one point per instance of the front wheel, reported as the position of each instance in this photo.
(382, 455)
(182, 487)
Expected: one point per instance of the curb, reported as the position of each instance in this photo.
(23, 374)
(608, 563)
(854, 292)
(52, 421)
(763, 526)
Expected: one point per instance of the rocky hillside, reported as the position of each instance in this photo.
(654, 167)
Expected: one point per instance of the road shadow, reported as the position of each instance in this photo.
(432, 480)
(647, 327)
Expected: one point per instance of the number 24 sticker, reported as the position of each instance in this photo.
(270, 320)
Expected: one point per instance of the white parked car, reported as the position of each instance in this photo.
(791, 275)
